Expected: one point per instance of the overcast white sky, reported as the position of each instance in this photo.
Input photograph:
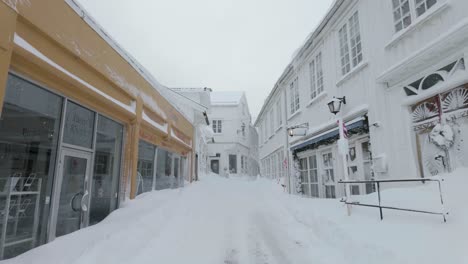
(222, 44)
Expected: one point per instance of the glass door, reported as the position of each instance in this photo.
(328, 175)
(72, 188)
(314, 180)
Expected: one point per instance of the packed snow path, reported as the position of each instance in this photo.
(229, 221)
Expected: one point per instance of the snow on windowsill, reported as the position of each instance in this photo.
(25, 45)
(419, 21)
(317, 98)
(294, 115)
(156, 125)
(353, 72)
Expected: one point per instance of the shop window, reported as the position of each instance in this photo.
(29, 129)
(233, 164)
(330, 191)
(314, 184)
(367, 162)
(165, 177)
(79, 126)
(145, 167)
(303, 170)
(106, 176)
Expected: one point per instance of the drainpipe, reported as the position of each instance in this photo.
(285, 115)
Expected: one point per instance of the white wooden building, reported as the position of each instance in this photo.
(234, 151)
(400, 64)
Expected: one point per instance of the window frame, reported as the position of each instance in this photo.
(217, 126)
(316, 76)
(294, 98)
(272, 122)
(349, 31)
(414, 16)
(279, 111)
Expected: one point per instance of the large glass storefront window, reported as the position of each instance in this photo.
(145, 176)
(158, 169)
(107, 159)
(164, 170)
(29, 132)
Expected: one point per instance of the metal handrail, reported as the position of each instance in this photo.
(443, 213)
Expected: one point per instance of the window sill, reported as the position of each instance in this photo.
(419, 21)
(294, 115)
(353, 72)
(317, 98)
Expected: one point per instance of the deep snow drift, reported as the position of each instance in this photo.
(231, 221)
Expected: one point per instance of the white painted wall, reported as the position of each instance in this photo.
(232, 140)
(390, 61)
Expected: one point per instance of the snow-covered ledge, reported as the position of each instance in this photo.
(162, 128)
(459, 79)
(28, 47)
(446, 43)
(352, 73)
(174, 135)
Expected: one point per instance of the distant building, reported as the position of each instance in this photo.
(195, 104)
(234, 150)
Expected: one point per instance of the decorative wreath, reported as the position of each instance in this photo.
(442, 136)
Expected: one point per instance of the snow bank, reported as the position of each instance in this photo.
(219, 220)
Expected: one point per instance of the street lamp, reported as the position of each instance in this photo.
(335, 107)
(335, 104)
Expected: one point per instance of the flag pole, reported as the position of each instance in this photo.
(343, 150)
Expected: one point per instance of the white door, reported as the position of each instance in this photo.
(328, 174)
(71, 193)
(313, 176)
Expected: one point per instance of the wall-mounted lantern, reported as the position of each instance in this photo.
(335, 104)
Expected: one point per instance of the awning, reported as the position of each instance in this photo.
(355, 126)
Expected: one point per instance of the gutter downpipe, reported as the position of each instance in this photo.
(285, 116)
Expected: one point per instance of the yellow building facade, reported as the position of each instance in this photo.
(81, 128)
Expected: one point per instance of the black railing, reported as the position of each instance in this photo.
(381, 207)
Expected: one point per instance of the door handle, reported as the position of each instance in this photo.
(84, 201)
(75, 207)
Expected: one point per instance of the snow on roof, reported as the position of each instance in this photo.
(226, 98)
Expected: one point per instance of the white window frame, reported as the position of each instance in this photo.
(279, 111)
(217, 126)
(294, 100)
(350, 44)
(412, 14)
(316, 76)
(272, 122)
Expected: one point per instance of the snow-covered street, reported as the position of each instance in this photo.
(221, 220)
